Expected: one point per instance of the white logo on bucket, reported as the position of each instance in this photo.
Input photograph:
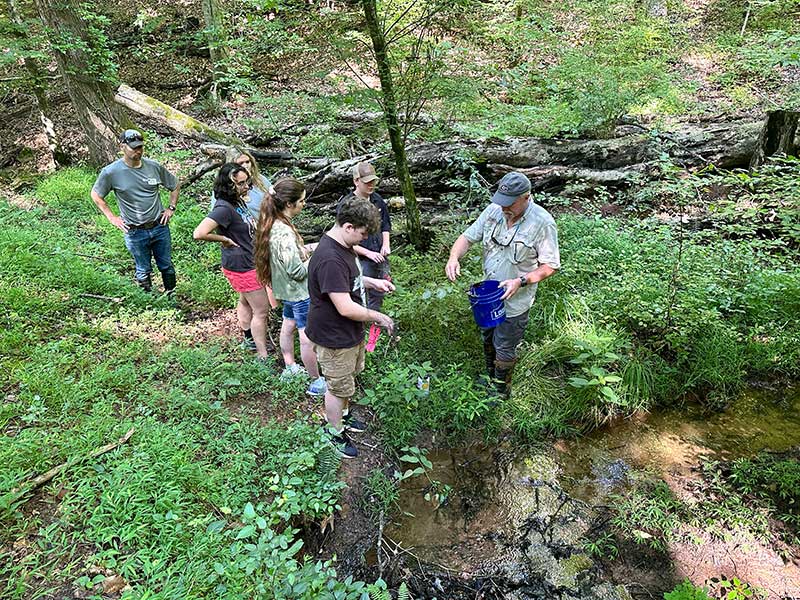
(498, 313)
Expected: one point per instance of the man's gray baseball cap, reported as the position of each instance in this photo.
(131, 137)
(511, 187)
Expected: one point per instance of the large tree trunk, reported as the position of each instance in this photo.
(90, 92)
(778, 136)
(171, 117)
(403, 175)
(217, 42)
(40, 91)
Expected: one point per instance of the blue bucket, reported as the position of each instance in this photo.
(487, 307)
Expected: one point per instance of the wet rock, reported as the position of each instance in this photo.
(514, 570)
(607, 591)
(570, 568)
(543, 565)
(611, 474)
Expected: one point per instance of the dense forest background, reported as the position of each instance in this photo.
(144, 454)
(295, 74)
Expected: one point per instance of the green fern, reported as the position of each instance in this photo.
(379, 595)
(403, 593)
(328, 461)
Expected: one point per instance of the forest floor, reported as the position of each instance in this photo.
(49, 539)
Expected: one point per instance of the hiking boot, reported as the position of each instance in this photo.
(249, 344)
(292, 371)
(169, 280)
(343, 445)
(318, 387)
(353, 424)
(146, 284)
(503, 372)
(489, 355)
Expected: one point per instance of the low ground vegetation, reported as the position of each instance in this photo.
(754, 498)
(209, 496)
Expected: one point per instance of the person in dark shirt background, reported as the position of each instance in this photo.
(373, 252)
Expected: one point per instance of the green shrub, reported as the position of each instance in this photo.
(687, 591)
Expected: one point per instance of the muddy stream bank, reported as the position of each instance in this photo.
(516, 522)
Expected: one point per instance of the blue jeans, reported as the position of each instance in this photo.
(144, 244)
(376, 271)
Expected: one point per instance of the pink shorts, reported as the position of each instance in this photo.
(243, 282)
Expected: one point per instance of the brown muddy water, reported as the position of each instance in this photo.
(497, 492)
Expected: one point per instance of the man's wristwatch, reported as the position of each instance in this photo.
(523, 281)
(172, 207)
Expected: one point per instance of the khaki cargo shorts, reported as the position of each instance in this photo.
(340, 367)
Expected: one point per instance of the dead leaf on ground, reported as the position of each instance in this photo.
(114, 584)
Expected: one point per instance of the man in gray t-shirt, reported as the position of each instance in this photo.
(520, 248)
(135, 182)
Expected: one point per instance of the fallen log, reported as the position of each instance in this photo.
(176, 120)
(553, 176)
(779, 135)
(441, 167)
(222, 153)
(200, 170)
(436, 166)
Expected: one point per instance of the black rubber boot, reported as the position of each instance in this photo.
(490, 355)
(146, 284)
(169, 283)
(503, 370)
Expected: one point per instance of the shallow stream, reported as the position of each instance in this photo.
(501, 494)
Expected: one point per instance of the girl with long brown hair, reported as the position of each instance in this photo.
(281, 260)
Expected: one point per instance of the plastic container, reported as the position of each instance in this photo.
(488, 309)
(424, 385)
(372, 340)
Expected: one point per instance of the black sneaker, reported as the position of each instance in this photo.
(343, 445)
(353, 424)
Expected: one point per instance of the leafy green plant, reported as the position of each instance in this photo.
(436, 492)
(687, 591)
(593, 362)
(735, 589)
(383, 594)
(396, 400)
(650, 513)
(262, 563)
(381, 494)
(602, 547)
(768, 476)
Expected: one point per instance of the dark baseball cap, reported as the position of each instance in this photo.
(511, 187)
(131, 137)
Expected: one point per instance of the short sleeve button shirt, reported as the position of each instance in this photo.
(510, 252)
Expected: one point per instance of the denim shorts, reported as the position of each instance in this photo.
(297, 311)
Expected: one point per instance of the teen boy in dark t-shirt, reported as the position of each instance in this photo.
(337, 313)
